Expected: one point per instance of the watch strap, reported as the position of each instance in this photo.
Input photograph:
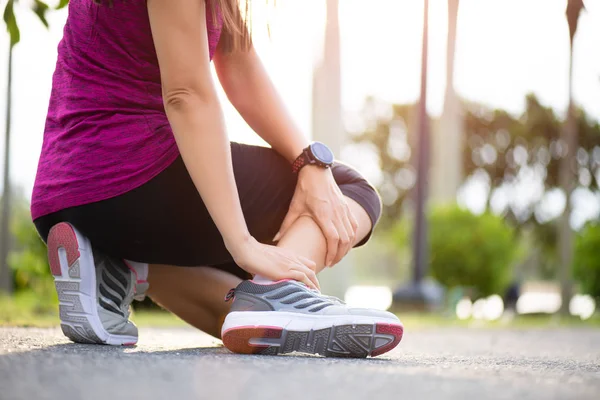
(301, 161)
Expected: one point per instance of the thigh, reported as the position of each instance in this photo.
(166, 222)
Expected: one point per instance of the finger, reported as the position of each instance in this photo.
(289, 219)
(349, 228)
(353, 221)
(299, 276)
(311, 275)
(344, 242)
(333, 239)
(308, 262)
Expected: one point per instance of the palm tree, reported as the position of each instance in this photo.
(446, 163)
(40, 8)
(567, 174)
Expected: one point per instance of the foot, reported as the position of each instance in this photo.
(286, 316)
(94, 290)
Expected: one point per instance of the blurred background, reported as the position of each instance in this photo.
(480, 129)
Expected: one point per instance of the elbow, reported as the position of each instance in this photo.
(185, 99)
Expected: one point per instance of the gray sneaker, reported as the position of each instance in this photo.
(286, 317)
(94, 290)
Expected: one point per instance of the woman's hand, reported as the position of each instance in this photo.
(274, 262)
(317, 195)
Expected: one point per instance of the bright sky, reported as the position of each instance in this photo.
(505, 49)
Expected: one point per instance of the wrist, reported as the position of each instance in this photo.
(236, 245)
(312, 170)
(312, 175)
(317, 154)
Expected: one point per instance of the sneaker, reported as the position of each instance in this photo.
(94, 289)
(286, 317)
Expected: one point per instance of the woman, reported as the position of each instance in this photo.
(137, 181)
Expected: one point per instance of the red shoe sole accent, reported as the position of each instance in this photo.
(237, 339)
(388, 329)
(62, 235)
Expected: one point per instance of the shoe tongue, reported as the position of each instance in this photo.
(140, 290)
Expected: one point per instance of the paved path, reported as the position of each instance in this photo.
(182, 364)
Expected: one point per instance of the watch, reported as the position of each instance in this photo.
(315, 154)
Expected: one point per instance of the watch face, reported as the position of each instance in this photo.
(321, 153)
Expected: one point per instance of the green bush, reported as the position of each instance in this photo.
(476, 251)
(29, 262)
(467, 250)
(586, 268)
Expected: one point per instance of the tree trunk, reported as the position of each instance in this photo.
(5, 274)
(567, 183)
(420, 236)
(567, 180)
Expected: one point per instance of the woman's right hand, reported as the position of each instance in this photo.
(274, 262)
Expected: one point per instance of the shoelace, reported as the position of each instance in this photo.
(318, 292)
(334, 299)
(231, 295)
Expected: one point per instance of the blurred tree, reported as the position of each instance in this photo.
(40, 8)
(517, 157)
(386, 131)
(508, 151)
(568, 168)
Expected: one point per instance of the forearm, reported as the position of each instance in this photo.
(252, 93)
(199, 130)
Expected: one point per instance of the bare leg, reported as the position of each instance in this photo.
(196, 294)
(306, 239)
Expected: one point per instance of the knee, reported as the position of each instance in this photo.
(354, 185)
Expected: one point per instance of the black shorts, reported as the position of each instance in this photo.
(165, 221)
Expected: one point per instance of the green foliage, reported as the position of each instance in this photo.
(470, 250)
(62, 4)
(29, 262)
(467, 250)
(586, 267)
(11, 23)
(506, 149)
(40, 8)
(503, 147)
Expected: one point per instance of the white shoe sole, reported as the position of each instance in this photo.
(72, 265)
(278, 332)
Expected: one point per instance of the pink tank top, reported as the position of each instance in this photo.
(106, 131)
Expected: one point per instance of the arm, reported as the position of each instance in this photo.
(194, 111)
(252, 93)
(192, 107)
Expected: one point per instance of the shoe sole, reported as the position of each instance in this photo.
(72, 265)
(345, 336)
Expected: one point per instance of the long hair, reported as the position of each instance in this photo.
(236, 32)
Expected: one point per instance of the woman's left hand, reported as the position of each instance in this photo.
(318, 196)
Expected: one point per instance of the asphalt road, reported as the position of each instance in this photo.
(182, 363)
